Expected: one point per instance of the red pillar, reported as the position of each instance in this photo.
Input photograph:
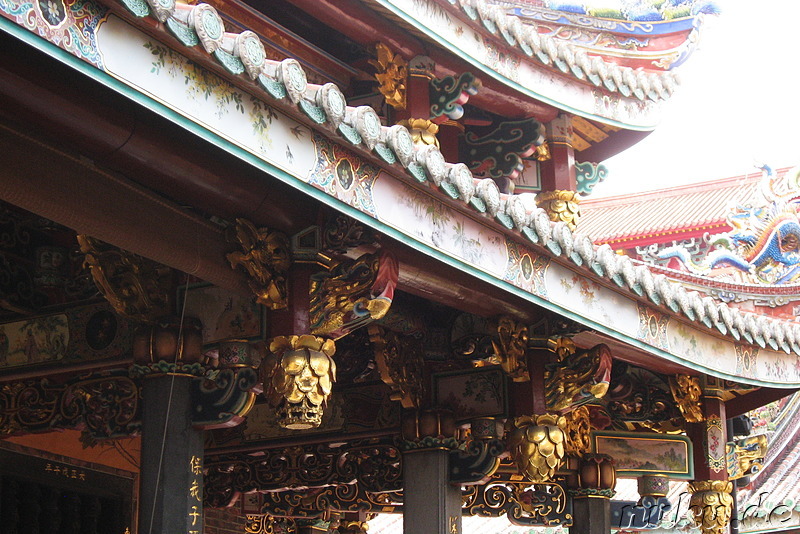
(558, 173)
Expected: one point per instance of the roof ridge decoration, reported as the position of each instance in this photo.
(326, 107)
(764, 245)
(567, 57)
(631, 10)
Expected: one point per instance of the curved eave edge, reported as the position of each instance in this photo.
(127, 90)
(591, 100)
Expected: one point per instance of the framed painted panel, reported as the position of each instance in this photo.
(225, 315)
(77, 335)
(472, 393)
(646, 453)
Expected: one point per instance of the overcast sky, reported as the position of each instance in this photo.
(738, 102)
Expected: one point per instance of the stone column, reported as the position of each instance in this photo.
(430, 503)
(171, 485)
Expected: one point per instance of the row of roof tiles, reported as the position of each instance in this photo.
(566, 57)
(646, 215)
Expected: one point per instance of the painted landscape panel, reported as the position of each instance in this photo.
(636, 455)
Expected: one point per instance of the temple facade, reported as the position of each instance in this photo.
(277, 267)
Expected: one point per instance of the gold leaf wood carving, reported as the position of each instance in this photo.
(578, 378)
(135, 286)
(392, 75)
(298, 376)
(352, 294)
(686, 391)
(400, 363)
(266, 257)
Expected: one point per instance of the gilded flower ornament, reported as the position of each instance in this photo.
(298, 376)
(537, 445)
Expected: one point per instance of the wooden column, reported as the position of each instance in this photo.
(527, 398)
(167, 357)
(420, 74)
(713, 496)
(558, 173)
(294, 320)
(171, 485)
(708, 440)
(431, 504)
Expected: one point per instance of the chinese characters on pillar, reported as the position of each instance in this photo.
(196, 494)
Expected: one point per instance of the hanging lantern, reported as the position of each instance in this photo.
(298, 376)
(537, 446)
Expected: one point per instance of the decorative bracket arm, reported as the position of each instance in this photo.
(510, 348)
(499, 153)
(578, 378)
(448, 95)
(588, 175)
(392, 74)
(746, 456)
(687, 392)
(224, 398)
(476, 462)
(136, 287)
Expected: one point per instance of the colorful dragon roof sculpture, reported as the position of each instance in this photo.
(764, 245)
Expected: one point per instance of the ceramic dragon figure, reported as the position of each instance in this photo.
(764, 245)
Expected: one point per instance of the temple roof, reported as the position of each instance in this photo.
(665, 214)
(615, 70)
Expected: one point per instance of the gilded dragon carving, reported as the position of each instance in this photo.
(686, 391)
(510, 347)
(577, 377)
(400, 363)
(352, 294)
(392, 74)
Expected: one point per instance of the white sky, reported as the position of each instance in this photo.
(738, 102)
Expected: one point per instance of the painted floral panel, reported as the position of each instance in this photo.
(580, 295)
(208, 100)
